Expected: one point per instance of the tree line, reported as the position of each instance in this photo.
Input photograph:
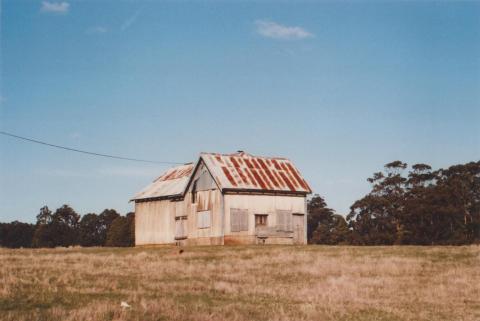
(417, 206)
(65, 227)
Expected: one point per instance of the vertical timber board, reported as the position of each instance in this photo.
(298, 229)
(154, 222)
(208, 198)
(261, 204)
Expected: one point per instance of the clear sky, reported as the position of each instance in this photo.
(339, 88)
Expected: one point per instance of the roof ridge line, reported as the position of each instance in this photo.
(245, 153)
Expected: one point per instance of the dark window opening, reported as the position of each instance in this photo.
(261, 220)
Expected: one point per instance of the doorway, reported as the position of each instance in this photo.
(298, 228)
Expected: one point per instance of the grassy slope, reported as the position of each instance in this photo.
(242, 283)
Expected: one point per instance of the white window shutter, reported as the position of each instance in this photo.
(203, 219)
(234, 220)
(238, 220)
(244, 222)
(180, 228)
(284, 220)
(208, 218)
(280, 221)
(288, 221)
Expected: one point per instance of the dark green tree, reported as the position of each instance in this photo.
(427, 207)
(122, 231)
(16, 234)
(90, 231)
(460, 187)
(45, 216)
(58, 229)
(317, 212)
(376, 218)
(93, 228)
(44, 236)
(323, 225)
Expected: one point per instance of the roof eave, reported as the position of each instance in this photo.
(261, 192)
(158, 198)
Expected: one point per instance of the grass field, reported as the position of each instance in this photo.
(241, 283)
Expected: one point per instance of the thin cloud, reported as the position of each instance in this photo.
(55, 7)
(130, 21)
(271, 29)
(98, 30)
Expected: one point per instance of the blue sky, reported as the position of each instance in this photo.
(339, 88)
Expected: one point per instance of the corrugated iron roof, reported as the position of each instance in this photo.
(171, 183)
(242, 171)
(239, 171)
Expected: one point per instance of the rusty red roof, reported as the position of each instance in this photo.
(242, 171)
(176, 172)
(239, 171)
(170, 183)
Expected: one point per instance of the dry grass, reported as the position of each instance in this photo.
(242, 283)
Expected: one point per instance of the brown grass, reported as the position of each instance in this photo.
(242, 283)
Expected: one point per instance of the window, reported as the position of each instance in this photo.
(180, 227)
(238, 220)
(203, 219)
(261, 220)
(284, 221)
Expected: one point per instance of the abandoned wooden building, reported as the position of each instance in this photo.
(224, 199)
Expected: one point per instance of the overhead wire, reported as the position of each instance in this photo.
(36, 141)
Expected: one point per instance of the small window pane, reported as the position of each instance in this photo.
(261, 219)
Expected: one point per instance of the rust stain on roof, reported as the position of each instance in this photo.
(175, 173)
(170, 183)
(239, 171)
(250, 176)
(229, 176)
(219, 158)
(285, 179)
(275, 163)
(244, 171)
(295, 173)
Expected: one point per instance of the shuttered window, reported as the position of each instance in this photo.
(203, 219)
(238, 220)
(180, 227)
(284, 220)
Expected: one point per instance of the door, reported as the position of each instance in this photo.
(298, 228)
(181, 228)
(181, 222)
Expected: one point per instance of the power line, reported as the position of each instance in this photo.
(84, 151)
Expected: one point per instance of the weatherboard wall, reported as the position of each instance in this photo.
(262, 204)
(155, 222)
